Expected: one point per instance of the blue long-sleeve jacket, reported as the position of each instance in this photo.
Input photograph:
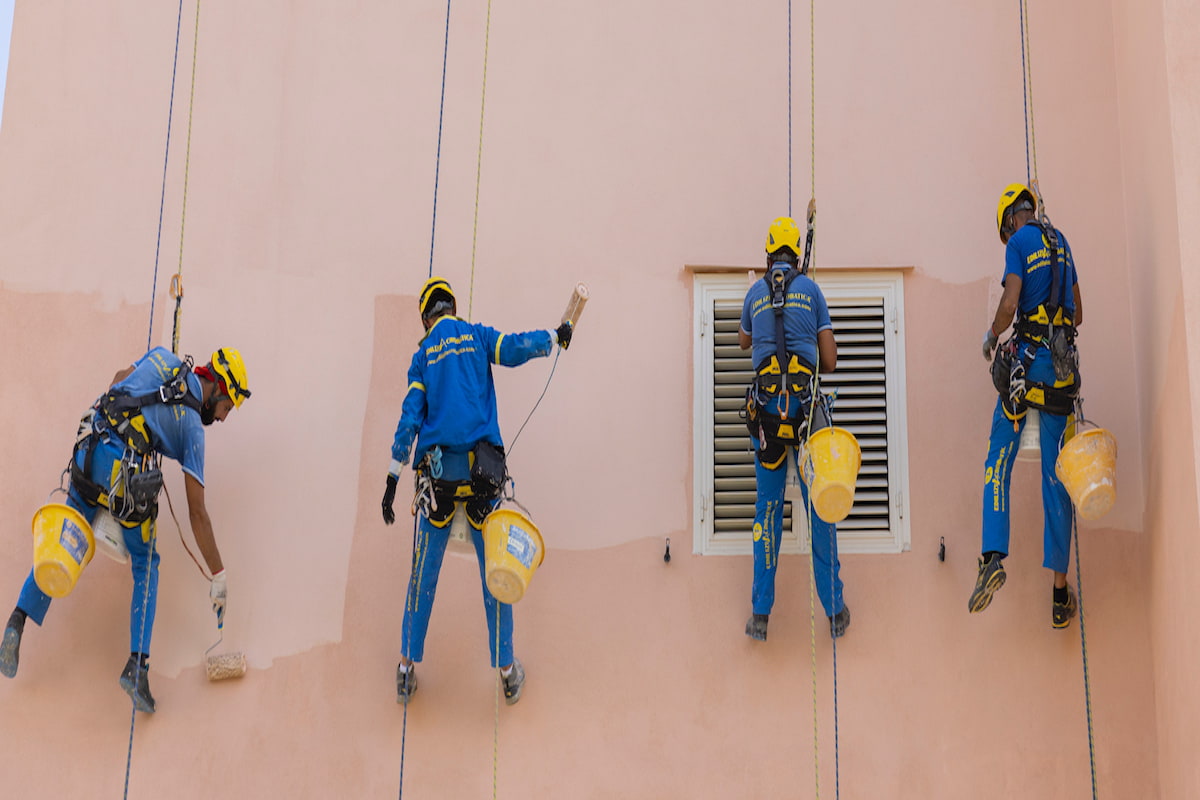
(451, 398)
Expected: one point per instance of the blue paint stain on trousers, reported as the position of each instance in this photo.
(422, 586)
(768, 523)
(35, 603)
(1056, 503)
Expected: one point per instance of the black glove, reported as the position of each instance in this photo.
(563, 332)
(389, 498)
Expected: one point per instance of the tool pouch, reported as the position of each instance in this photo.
(1062, 353)
(141, 493)
(488, 472)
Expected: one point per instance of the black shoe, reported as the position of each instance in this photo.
(991, 578)
(135, 681)
(756, 627)
(10, 650)
(513, 682)
(1061, 613)
(839, 622)
(406, 683)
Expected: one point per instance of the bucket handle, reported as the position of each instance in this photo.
(508, 495)
(60, 489)
(1080, 420)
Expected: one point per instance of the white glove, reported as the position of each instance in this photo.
(989, 344)
(216, 593)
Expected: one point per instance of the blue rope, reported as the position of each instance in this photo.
(837, 783)
(789, 7)
(166, 158)
(141, 638)
(1025, 92)
(1087, 683)
(407, 606)
(437, 168)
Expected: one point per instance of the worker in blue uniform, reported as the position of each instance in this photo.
(450, 412)
(784, 405)
(1038, 367)
(158, 406)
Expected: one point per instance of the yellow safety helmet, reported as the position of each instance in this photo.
(1008, 198)
(431, 288)
(783, 233)
(230, 370)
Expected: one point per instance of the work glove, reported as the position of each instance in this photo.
(563, 333)
(989, 344)
(389, 499)
(216, 593)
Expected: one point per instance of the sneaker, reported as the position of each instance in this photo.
(991, 578)
(136, 683)
(756, 627)
(839, 622)
(1061, 613)
(513, 682)
(10, 651)
(406, 683)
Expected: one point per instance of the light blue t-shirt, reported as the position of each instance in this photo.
(177, 430)
(1028, 256)
(805, 314)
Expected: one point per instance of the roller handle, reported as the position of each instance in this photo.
(579, 298)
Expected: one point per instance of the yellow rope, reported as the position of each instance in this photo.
(479, 158)
(1029, 82)
(177, 280)
(814, 389)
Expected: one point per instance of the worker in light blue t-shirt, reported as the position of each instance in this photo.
(782, 413)
(450, 412)
(1038, 367)
(156, 407)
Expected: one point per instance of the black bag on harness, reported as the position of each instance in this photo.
(488, 472)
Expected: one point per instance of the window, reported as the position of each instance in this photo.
(867, 312)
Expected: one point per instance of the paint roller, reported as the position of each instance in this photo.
(579, 298)
(223, 666)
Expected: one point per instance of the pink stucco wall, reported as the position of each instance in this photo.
(622, 141)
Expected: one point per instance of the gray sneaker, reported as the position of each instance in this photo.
(513, 682)
(991, 578)
(756, 627)
(10, 651)
(1061, 613)
(406, 683)
(839, 622)
(136, 683)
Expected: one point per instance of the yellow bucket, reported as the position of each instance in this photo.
(1087, 467)
(62, 546)
(513, 550)
(830, 468)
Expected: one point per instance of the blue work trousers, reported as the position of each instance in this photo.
(35, 603)
(768, 524)
(422, 585)
(1056, 503)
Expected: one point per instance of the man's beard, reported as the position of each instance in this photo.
(208, 413)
